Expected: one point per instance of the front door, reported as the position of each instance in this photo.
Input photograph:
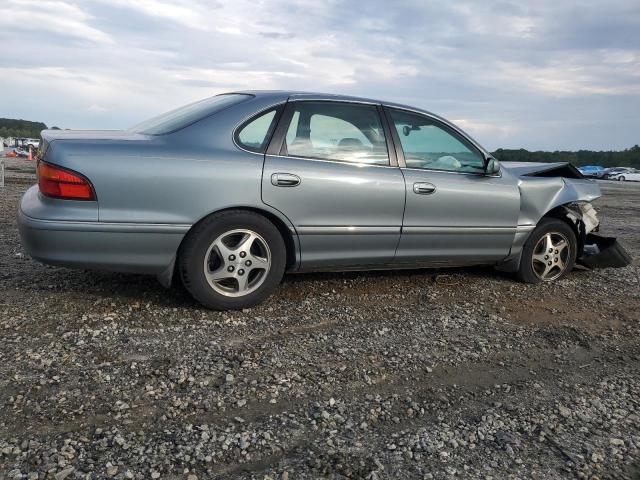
(455, 213)
(330, 174)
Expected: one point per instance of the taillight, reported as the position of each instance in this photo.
(60, 183)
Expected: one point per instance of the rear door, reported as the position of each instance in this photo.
(329, 171)
(455, 213)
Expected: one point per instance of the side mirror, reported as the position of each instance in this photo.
(492, 166)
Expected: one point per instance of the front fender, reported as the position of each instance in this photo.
(540, 195)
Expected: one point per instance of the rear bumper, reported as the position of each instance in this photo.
(120, 247)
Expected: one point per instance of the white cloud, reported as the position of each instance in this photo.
(574, 76)
(499, 131)
(188, 14)
(59, 17)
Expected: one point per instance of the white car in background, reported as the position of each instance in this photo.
(31, 142)
(631, 175)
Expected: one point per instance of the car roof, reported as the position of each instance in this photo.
(301, 95)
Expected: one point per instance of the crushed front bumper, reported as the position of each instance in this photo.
(603, 252)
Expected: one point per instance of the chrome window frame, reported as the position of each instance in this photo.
(436, 120)
(277, 148)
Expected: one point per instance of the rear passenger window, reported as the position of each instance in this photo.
(255, 133)
(337, 131)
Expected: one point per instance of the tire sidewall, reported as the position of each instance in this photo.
(526, 272)
(197, 243)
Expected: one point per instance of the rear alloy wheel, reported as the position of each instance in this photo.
(237, 263)
(232, 260)
(549, 253)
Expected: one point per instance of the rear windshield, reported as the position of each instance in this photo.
(185, 116)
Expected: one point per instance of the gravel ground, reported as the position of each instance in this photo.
(418, 374)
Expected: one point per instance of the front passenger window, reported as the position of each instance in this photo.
(429, 145)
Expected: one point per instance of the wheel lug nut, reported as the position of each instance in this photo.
(241, 272)
(546, 257)
(549, 263)
(230, 268)
(243, 254)
(556, 251)
(232, 257)
(248, 263)
(551, 250)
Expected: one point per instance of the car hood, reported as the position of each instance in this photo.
(540, 169)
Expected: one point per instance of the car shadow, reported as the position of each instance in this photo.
(134, 288)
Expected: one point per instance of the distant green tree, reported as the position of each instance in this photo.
(625, 158)
(10, 127)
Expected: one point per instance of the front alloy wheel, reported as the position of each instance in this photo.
(549, 253)
(551, 256)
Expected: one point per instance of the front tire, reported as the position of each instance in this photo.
(550, 252)
(621, 178)
(232, 260)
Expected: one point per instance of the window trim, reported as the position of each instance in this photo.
(278, 108)
(277, 147)
(441, 124)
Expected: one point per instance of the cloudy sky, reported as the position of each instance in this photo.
(539, 74)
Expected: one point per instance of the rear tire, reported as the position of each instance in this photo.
(232, 260)
(549, 253)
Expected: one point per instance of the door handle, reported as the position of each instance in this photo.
(424, 188)
(285, 180)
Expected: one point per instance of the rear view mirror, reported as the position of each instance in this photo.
(407, 129)
(492, 166)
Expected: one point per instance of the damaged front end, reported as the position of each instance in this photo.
(560, 190)
(597, 251)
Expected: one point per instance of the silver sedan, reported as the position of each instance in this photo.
(230, 192)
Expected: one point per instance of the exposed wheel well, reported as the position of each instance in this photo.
(565, 213)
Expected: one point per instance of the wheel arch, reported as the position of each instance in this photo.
(289, 236)
(567, 212)
(570, 214)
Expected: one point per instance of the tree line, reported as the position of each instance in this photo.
(625, 158)
(10, 127)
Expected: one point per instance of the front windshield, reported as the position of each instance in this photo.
(184, 116)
